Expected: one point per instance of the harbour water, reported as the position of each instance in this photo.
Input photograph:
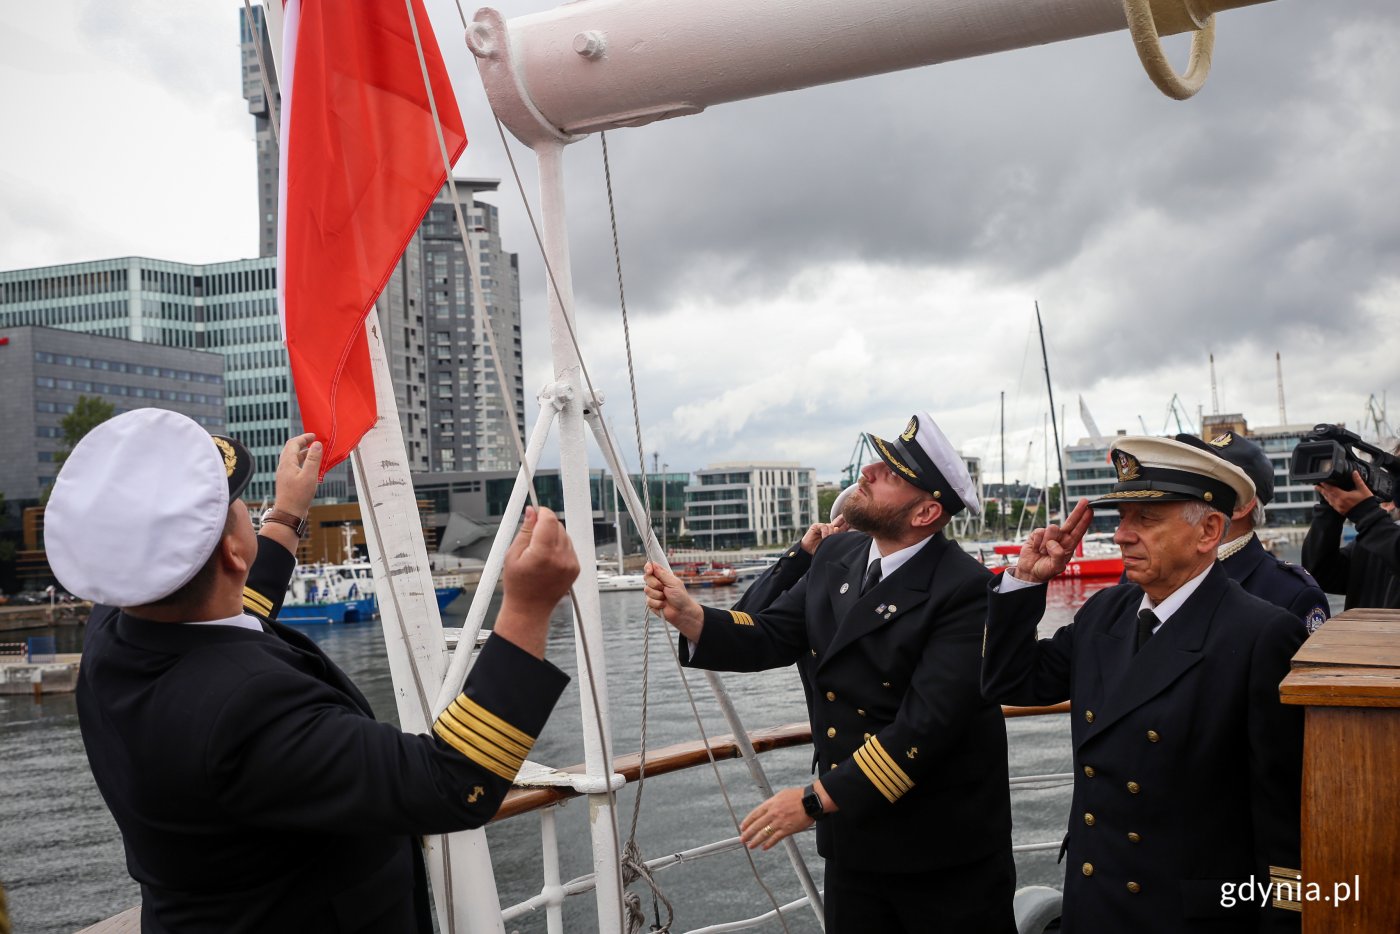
(61, 858)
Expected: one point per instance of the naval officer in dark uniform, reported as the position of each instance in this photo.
(1242, 556)
(911, 805)
(253, 787)
(1187, 767)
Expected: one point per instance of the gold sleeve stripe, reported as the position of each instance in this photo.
(877, 765)
(256, 602)
(507, 744)
(741, 618)
(472, 753)
(484, 748)
(900, 777)
(472, 709)
(873, 773)
(483, 737)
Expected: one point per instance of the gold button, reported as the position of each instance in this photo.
(1088, 869)
(831, 695)
(884, 684)
(1088, 771)
(792, 554)
(832, 766)
(1134, 887)
(830, 732)
(1134, 838)
(1088, 716)
(1088, 818)
(867, 737)
(859, 711)
(1134, 788)
(1153, 736)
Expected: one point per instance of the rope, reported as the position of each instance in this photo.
(473, 261)
(1149, 49)
(603, 427)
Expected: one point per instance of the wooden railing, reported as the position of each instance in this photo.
(681, 756)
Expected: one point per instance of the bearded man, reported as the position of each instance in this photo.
(911, 800)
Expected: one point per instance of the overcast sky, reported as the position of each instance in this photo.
(807, 266)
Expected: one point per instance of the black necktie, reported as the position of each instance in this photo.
(872, 577)
(1147, 621)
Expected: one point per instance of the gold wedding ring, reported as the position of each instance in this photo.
(768, 831)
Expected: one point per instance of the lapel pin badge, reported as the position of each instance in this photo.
(845, 587)
(880, 608)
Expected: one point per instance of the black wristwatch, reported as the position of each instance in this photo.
(812, 803)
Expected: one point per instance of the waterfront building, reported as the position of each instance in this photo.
(1292, 503)
(44, 371)
(227, 308)
(1089, 474)
(750, 505)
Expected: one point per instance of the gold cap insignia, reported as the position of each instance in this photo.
(1128, 466)
(911, 429)
(1223, 441)
(230, 456)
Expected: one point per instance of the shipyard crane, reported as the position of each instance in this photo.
(1176, 410)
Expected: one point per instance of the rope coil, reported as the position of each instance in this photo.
(1143, 28)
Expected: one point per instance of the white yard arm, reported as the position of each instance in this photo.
(598, 64)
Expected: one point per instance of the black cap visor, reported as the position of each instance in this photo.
(911, 463)
(238, 464)
(1161, 485)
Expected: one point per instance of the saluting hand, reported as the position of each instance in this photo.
(1048, 550)
(666, 597)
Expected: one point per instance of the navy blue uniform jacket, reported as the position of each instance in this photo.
(1278, 582)
(1188, 769)
(253, 787)
(908, 749)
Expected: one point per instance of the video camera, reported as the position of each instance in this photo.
(1328, 455)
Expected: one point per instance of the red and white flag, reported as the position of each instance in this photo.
(360, 166)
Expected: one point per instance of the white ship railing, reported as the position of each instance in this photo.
(546, 790)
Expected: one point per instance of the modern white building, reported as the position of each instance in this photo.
(750, 505)
(1292, 503)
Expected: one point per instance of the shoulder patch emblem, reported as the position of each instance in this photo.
(1128, 466)
(1224, 441)
(911, 429)
(1314, 620)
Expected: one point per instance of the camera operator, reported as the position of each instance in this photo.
(1367, 570)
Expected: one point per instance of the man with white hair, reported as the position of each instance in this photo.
(1187, 768)
(911, 803)
(252, 785)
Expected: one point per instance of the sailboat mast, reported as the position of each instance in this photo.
(1002, 499)
(1059, 455)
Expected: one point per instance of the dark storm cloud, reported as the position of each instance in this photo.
(1014, 164)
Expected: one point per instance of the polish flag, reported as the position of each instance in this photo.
(360, 166)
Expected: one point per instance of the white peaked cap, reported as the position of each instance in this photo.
(137, 509)
(923, 456)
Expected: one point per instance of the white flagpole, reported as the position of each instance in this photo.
(413, 636)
